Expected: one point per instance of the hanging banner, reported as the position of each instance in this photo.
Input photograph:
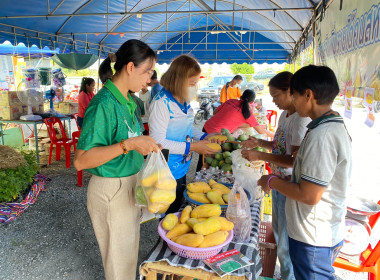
(369, 94)
(347, 40)
(348, 102)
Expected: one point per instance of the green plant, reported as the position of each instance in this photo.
(14, 181)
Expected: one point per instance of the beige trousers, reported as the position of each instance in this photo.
(115, 218)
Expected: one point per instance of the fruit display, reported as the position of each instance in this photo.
(202, 227)
(157, 191)
(211, 192)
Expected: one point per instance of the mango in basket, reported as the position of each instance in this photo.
(225, 224)
(200, 197)
(214, 239)
(214, 146)
(218, 137)
(225, 197)
(215, 197)
(211, 182)
(209, 226)
(185, 215)
(169, 221)
(178, 230)
(192, 221)
(221, 187)
(189, 239)
(206, 210)
(198, 187)
(162, 196)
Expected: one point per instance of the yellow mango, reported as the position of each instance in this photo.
(178, 230)
(214, 239)
(226, 224)
(206, 210)
(162, 196)
(219, 191)
(221, 187)
(198, 187)
(166, 184)
(189, 239)
(211, 182)
(215, 197)
(209, 226)
(200, 197)
(169, 221)
(218, 137)
(192, 221)
(151, 180)
(225, 197)
(185, 215)
(214, 146)
(158, 207)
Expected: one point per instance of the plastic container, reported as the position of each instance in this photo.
(31, 78)
(44, 76)
(59, 79)
(191, 252)
(267, 249)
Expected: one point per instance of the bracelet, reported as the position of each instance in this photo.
(122, 145)
(269, 179)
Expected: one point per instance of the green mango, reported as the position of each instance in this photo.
(140, 196)
(225, 131)
(214, 163)
(228, 160)
(220, 163)
(219, 156)
(243, 137)
(226, 167)
(209, 160)
(227, 147)
(230, 138)
(236, 146)
(226, 154)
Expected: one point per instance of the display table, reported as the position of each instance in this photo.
(34, 123)
(162, 260)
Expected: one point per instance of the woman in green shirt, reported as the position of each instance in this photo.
(111, 148)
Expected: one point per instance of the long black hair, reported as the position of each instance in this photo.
(86, 82)
(247, 97)
(131, 51)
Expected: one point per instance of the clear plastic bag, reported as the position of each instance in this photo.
(239, 212)
(156, 186)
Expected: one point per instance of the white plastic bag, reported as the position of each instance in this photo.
(156, 186)
(239, 212)
(247, 177)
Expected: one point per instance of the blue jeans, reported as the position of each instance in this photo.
(311, 262)
(281, 235)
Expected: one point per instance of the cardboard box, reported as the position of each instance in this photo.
(68, 108)
(13, 112)
(9, 98)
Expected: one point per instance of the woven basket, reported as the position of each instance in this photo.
(191, 252)
(259, 165)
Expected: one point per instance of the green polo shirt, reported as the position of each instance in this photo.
(104, 125)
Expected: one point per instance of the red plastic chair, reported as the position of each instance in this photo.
(75, 117)
(64, 141)
(369, 259)
(272, 118)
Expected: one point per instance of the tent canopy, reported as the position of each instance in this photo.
(22, 50)
(213, 31)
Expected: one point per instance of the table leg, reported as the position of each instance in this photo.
(1, 133)
(69, 128)
(36, 140)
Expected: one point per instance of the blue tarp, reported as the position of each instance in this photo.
(258, 31)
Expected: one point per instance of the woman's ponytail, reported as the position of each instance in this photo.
(105, 70)
(247, 97)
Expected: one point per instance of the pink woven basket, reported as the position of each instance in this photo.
(191, 252)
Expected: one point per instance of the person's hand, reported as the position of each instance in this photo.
(142, 144)
(250, 155)
(200, 147)
(263, 182)
(251, 143)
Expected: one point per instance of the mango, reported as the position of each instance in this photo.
(215, 197)
(218, 137)
(214, 239)
(214, 146)
(192, 221)
(226, 167)
(228, 160)
(200, 197)
(140, 196)
(185, 215)
(226, 224)
(178, 230)
(166, 184)
(227, 147)
(219, 191)
(198, 187)
(218, 156)
(226, 154)
(211, 182)
(243, 137)
(169, 221)
(225, 197)
(189, 239)
(206, 210)
(151, 180)
(225, 131)
(222, 187)
(209, 160)
(158, 207)
(162, 196)
(209, 226)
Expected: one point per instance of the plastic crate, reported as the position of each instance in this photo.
(267, 249)
(268, 204)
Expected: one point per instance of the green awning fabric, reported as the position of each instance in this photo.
(75, 61)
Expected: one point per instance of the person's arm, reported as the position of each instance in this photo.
(254, 142)
(305, 192)
(261, 130)
(238, 95)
